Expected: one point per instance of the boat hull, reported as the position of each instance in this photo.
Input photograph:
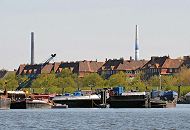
(5, 103)
(79, 103)
(18, 104)
(37, 105)
(28, 105)
(127, 102)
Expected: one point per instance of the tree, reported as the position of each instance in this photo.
(118, 79)
(66, 73)
(21, 78)
(2, 84)
(137, 83)
(167, 82)
(10, 81)
(183, 76)
(66, 84)
(154, 81)
(44, 82)
(93, 80)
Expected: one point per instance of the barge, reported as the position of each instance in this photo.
(20, 101)
(88, 101)
(113, 98)
(129, 100)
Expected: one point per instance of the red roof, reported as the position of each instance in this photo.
(131, 65)
(172, 63)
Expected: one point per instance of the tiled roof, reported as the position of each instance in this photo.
(172, 63)
(47, 68)
(20, 69)
(28, 69)
(56, 66)
(89, 66)
(112, 64)
(155, 62)
(96, 65)
(131, 65)
(36, 68)
(73, 66)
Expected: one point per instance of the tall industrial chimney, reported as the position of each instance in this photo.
(32, 48)
(136, 44)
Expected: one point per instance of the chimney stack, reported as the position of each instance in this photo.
(32, 48)
(136, 44)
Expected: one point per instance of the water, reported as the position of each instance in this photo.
(98, 119)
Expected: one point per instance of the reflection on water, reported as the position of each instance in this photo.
(94, 118)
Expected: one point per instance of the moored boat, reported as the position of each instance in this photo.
(88, 101)
(18, 99)
(4, 100)
(163, 99)
(129, 100)
(33, 104)
(38, 101)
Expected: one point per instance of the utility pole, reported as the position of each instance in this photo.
(160, 82)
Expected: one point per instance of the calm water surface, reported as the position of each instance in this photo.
(98, 119)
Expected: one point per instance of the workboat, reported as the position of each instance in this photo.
(77, 100)
(20, 101)
(4, 100)
(38, 101)
(33, 104)
(128, 100)
(163, 99)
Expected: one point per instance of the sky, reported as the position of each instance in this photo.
(92, 29)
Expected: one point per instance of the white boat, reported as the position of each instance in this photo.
(32, 104)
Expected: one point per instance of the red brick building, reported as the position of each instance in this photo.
(131, 67)
(162, 66)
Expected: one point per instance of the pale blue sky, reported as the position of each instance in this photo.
(92, 29)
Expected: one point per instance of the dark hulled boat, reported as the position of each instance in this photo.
(88, 101)
(20, 101)
(129, 100)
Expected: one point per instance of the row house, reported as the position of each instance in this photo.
(155, 66)
(162, 66)
(87, 67)
(81, 68)
(110, 67)
(26, 69)
(186, 62)
(131, 67)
